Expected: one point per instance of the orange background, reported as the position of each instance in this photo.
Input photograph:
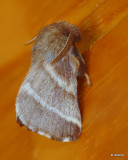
(104, 105)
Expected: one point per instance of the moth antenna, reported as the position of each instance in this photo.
(64, 50)
(88, 79)
(29, 42)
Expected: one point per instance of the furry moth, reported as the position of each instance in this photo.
(47, 99)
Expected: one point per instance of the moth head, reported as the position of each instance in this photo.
(52, 39)
(67, 28)
(60, 29)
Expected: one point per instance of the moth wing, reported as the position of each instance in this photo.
(47, 100)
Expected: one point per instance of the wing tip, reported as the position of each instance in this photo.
(19, 121)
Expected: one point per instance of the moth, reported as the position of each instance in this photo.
(47, 99)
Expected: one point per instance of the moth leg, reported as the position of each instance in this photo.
(82, 67)
(82, 72)
(88, 79)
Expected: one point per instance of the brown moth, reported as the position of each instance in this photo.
(47, 100)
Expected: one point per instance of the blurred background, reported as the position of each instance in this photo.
(104, 105)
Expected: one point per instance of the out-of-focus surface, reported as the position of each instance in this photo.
(104, 105)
